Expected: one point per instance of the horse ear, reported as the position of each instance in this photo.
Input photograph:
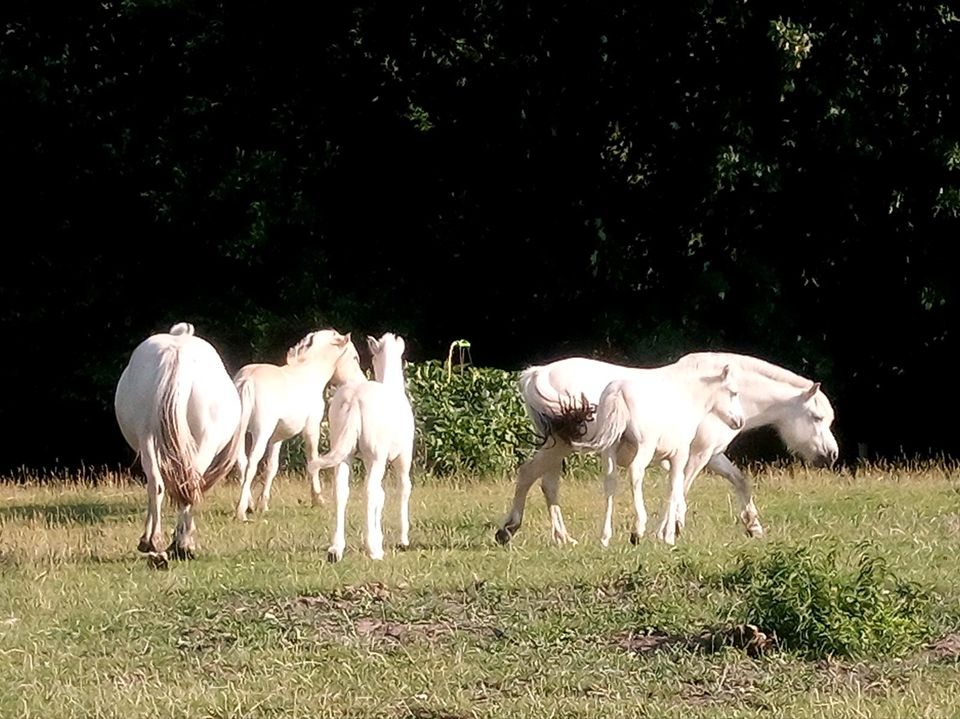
(373, 344)
(725, 373)
(811, 392)
(345, 340)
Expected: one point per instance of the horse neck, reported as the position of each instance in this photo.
(765, 400)
(316, 372)
(393, 377)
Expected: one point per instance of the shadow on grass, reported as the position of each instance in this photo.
(62, 515)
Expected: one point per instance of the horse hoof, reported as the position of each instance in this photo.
(317, 500)
(147, 547)
(334, 555)
(177, 552)
(401, 547)
(635, 538)
(503, 536)
(158, 560)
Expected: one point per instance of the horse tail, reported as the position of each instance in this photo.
(343, 440)
(227, 457)
(541, 405)
(176, 449)
(612, 416)
(245, 388)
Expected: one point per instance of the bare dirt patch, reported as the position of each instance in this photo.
(742, 636)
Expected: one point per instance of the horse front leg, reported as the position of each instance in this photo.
(749, 515)
(668, 527)
(402, 470)
(542, 461)
(638, 470)
(311, 443)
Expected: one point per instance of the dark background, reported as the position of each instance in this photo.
(629, 181)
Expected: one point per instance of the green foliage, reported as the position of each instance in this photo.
(471, 421)
(817, 607)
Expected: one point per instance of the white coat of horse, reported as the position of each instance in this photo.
(281, 401)
(659, 412)
(771, 395)
(375, 419)
(178, 409)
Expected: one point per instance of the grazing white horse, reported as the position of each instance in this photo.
(281, 401)
(374, 418)
(177, 407)
(770, 395)
(659, 412)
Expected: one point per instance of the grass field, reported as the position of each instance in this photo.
(260, 625)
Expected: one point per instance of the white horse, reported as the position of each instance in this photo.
(281, 401)
(659, 412)
(178, 409)
(374, 418)
(770, 395)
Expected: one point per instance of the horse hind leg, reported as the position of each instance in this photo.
(150, 540)
(375, 499)
(183, 545)
(269, 473)
(543, 460)
(342, 493)
(402, 470)
(257, 447)
(311, 443)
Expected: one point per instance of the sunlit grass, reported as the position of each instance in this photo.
(261, 625)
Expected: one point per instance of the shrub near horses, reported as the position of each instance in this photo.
(176, 406)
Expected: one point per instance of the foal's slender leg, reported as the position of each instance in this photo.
(542, 461)
(402, 470)
(269, 472)
(638, 470)
(311, 443)
(668, 527)
(342, 493)
(257, 448)
(608, 459)
(748, 513)
(150, 540)
(375, 498)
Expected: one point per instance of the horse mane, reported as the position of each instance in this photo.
(749, 364)
(182, 328)
(297, 352)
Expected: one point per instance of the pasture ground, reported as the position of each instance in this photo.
(260, 625)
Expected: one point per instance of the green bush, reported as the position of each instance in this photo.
(818, 608)
(471, 420)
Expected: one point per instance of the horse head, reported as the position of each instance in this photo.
(348, 367)
(805, 427)
(387, 355)
(320, 346)
(726, 401)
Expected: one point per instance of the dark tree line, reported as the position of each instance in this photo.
(630, 181)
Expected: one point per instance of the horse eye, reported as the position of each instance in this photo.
(817, 417)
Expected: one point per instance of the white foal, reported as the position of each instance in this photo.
(376, 420)
(659, 413)
(281, 401)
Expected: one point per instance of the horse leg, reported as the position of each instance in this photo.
(748, 513)
(608, 458)
(696, 461)
(269, 472)
(402, 469)
(550, 486)
(184, 543)
(375, 498)
(543, 460)
(257, 448)
(311, 442)
(638, 470)
(668, 527)
(150, 540)
(342, 493)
